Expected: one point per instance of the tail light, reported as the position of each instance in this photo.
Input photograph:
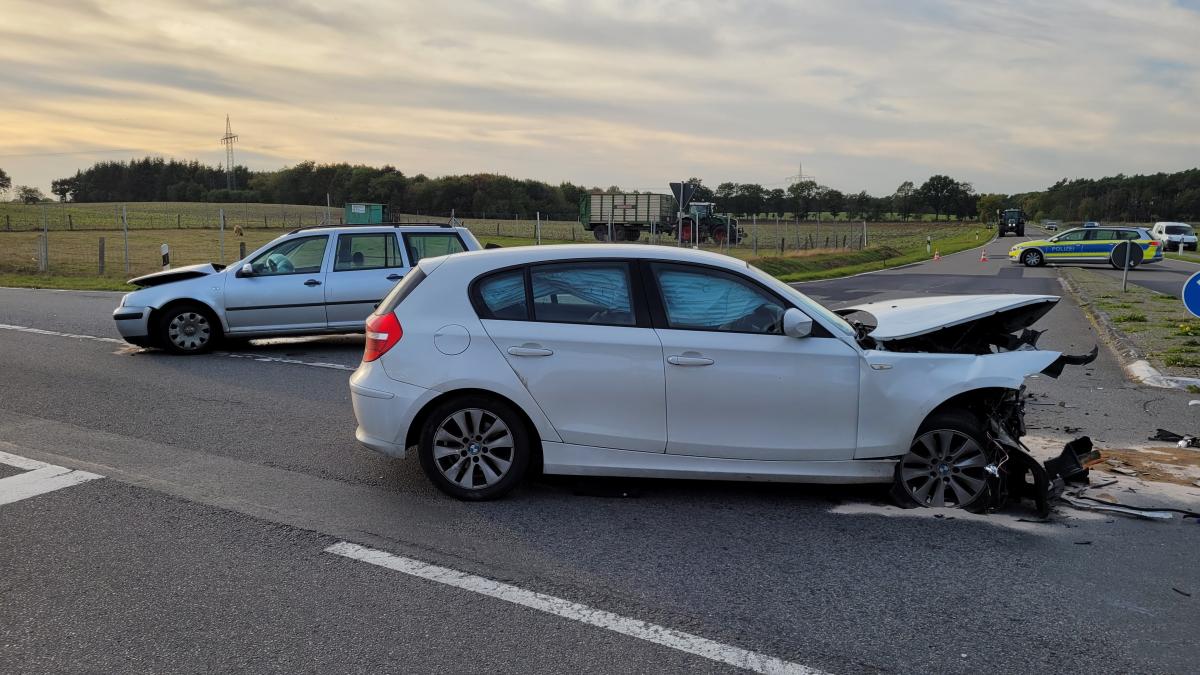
(1154, 242)
(383, 332)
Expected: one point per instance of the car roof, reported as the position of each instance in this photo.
(375, 227)
(496, 258)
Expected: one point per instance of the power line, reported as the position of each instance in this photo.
(228, 140)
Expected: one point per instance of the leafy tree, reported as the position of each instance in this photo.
(939, 193)
(5, 183)
(29, 195)
(63, 187)
(904, 199)
(988, 205)
(702, 193)
(803, 194)
(777, 201)
(752, 198)
(834, 201)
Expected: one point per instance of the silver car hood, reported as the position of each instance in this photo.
(951, 315)
(176, 274)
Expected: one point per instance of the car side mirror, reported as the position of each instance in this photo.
(246, 271)
(796, 323)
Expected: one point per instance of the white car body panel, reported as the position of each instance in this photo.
(757, 400)
(909, 317)
(601, 385)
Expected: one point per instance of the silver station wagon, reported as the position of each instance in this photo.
(309, 281)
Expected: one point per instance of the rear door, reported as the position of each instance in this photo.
(582, 345)
(285, 293)
(366, 265)
(419, 245)
(1100, 243)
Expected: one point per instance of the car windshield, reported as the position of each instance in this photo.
(1180, 229)
(812, 307)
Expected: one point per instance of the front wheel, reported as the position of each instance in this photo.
(1032, 258)
(947, 464)
(187, 328)
(474, 448)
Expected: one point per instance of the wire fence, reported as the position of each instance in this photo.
(116, 240)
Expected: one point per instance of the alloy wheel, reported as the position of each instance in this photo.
(189, 331)
(944, 467)
(473, 448)
(1033, 259)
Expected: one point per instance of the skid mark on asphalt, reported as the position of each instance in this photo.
(38, 478)
(235, 355)
(660, 635)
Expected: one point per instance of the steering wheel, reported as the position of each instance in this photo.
(764, 319)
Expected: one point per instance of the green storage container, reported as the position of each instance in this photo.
(365, 214)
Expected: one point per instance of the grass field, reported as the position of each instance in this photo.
(791, 251)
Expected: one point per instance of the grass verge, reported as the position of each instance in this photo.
(1160, 328)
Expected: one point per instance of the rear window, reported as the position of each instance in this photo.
(400, 291)
(503, 296)
(432, 244)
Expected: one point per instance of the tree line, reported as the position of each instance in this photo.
(1141, 198)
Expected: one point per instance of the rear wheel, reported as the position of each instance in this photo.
(474, 448)
(600, 233)
(685, 232)
(1032, 258)
(718, 236)
(632, 234)
(946, 466)
(187, 328)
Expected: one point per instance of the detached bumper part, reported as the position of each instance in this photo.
(1055, 369)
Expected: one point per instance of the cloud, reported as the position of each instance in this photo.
(1009, 96)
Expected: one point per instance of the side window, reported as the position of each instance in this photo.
(1076, 235)
(586, 292)
(367, 252)
(701, 299)
(295, 256)
(503, 296)
(1101, 235)
(431, 244)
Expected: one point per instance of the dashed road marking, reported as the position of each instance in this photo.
(39, 478)
(660, 635)
(235, 355)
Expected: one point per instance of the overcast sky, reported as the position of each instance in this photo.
(1010, 96)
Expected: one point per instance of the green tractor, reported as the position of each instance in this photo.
(711, 225)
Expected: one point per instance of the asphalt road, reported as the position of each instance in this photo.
(225, 478)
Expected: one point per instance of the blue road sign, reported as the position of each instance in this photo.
(1191, 294)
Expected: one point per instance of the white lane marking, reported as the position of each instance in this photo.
(660, 635)
(54, 333)
(40, 478)
(255, 357)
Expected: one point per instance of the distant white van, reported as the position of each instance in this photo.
(1176, 236)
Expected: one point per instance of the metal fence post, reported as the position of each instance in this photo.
(221, 235)
(241, 250)
(125, 229)
(100, 257)
(538, 233)
(755, 234)
(44, 254)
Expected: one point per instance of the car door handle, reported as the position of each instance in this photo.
(680, 360)
(530, 351)
(312, 282)
(394, 277)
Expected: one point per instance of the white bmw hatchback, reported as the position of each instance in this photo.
(625, 360)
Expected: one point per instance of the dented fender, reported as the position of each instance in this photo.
(900, 389)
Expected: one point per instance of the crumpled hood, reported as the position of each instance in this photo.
(913, 317)
(176, 274)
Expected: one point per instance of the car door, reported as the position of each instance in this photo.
(583, 347)
(420, 245)
(1099, 244)
(366, 265)
(736, 386)
(284, 293)
(1066, 247)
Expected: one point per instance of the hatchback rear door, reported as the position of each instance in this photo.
(580, 341)
(366, 265)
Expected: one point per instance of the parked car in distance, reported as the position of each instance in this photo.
(1051, 225)
(623, 360)
(1177, 236)
(309, 281)
(1087, 245)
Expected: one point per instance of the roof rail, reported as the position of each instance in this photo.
(396, 225)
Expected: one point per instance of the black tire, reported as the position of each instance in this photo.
(186, 328)
(600, 233)
(1033, 258)
(632, 234)
(907, 482)
(1020, 232)
(436, 469)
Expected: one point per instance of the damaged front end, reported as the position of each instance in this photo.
(1015, 474)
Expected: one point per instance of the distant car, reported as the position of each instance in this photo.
(1177, 236)
(1051, 225)
(1091, 223)
(309, 281)
(623, 360)
(1086, 245)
